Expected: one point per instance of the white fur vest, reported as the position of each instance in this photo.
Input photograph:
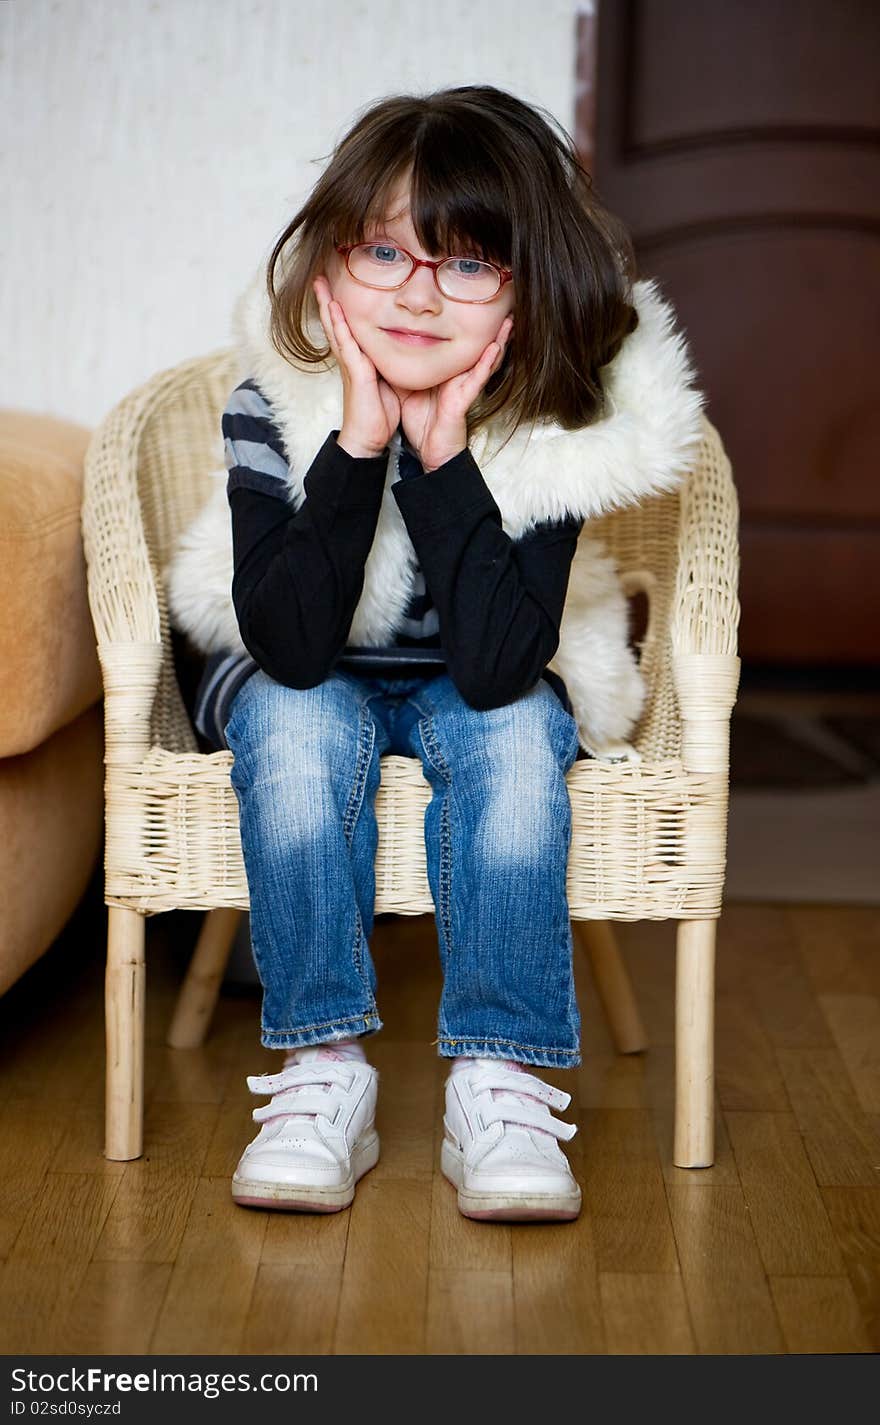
(642, 446)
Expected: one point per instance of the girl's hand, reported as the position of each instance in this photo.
(434, 421)
(370, 409)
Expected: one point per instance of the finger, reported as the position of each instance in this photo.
(351, 353)
(501, 342)
(503, 334)
(321, 293)
(324, 296)
(347, 344)
(486, 365)
(342, 343)
(466, 388)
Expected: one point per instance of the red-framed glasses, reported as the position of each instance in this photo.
(461, 279)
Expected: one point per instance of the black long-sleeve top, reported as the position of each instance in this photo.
(485, 607)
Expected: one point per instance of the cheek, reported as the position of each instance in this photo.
(464, 354)
(355, 301)
(478, 330)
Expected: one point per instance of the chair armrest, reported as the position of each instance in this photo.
(126, 596)
(121, 584)
(705, 613)
(122, 574)
(122, 588)
(131, 677)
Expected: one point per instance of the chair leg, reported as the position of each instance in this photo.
(124, 1021)
(197, 998)
(694, 1145)
(613, 985)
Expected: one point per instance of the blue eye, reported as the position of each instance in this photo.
(384, 255)
(468, 267)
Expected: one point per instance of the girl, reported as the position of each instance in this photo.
(447, 369)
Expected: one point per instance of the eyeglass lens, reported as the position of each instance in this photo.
(464, 279)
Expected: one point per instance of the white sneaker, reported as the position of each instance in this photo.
(500, 1147)
(318, 1136)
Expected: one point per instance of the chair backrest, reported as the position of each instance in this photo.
(643, 539)
(174, 425)
(179, 446)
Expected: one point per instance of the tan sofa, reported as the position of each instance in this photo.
(51, 723)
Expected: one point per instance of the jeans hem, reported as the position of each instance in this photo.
(350, 1028)
(507, 1049)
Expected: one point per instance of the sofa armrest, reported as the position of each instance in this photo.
(47, 642)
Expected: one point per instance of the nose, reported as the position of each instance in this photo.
(420, 293)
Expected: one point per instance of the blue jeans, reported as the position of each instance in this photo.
(497, 835)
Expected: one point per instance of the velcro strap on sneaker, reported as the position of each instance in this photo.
(513, 1082)
(322, 1071)
(297, 1102)
(526, 1117)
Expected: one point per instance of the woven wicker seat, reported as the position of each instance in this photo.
(648, 838)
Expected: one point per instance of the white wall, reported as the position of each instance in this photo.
(152, 150)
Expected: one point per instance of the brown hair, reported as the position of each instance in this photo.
(501, 177)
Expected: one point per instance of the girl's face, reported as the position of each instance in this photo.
(464, 329)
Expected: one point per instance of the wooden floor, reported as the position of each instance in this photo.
(775, 1249)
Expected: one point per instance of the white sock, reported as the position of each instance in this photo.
(336, 1049)
(463, 1061)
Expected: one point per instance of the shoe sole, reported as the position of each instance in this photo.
(300, 1197)
(506, 1207)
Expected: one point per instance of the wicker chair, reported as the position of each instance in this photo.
(648, 838)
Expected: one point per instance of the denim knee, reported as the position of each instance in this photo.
(534, 728)
(508, 763)
(302, 747)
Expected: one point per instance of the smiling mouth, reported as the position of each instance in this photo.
(416, 338)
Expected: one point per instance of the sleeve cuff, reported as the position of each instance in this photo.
(339, 478)
(443, 496)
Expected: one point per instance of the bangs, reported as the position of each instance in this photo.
(458, 197)
(459, 205)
